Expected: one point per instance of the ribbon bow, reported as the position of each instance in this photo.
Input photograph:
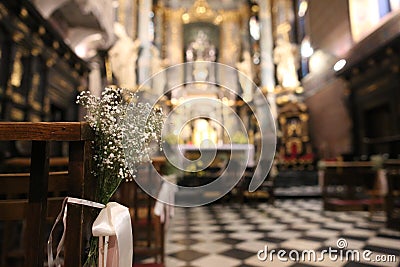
(112, 224)
(113, 227)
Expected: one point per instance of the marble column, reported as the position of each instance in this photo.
(266, 47)
(95, 82)
(144, 35)
(174, 49)
(127, 16)
(159, 26)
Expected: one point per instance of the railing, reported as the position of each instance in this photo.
(77, 181)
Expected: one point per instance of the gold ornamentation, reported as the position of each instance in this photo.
(230, 15)
(174, 14)
(50, 62)
(303, 117)
(283, 29)
(18, 98)
(36, 105)
(24, 12)
(42, 30)
(35, 51)
(34, 91)
(3, 10)
(63, 83)
(34, 118)
(46, 104)
(22, 27)
(17, 114)
(37, 40)
(201, 11)
(18, 69)
(17, 37)
(56, 45)
(67, 56)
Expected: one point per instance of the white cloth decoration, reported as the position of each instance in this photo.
(113, 227)
(164, 206)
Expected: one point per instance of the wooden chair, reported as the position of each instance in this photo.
(392, 168)
(350, 186)
(28, 196)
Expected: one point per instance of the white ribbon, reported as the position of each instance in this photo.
(57, 261)
(164, 207)
(114, 221)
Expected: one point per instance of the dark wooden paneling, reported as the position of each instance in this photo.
(38, 69)
(373, 77)
(330, 121)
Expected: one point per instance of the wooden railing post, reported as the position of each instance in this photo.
(73, 253)
(37, 207)
(81, 186)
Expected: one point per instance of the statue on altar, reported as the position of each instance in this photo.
(123, 56)
(246, 77)
(201, 49)
(157, 65)
(285, 57)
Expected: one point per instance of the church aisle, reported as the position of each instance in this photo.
(230, 235)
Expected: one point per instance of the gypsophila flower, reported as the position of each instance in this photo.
(124, 128)
(119, 135)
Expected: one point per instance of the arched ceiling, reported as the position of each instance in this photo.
(86, 25)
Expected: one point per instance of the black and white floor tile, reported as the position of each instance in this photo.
(230, 235)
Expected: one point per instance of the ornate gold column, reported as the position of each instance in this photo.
(229, 51)
(174, 38)
(230, 37)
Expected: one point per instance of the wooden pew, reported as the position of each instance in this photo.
(392, 168)
(32, 202)
(350, 186)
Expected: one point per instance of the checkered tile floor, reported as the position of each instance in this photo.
(230, 235)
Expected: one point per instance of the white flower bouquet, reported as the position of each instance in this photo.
(124, 128)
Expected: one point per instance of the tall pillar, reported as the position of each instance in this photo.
(95, 82)
(173, 48)
(159, 26)
(174, 39)
(266, 47)
(144, 63)
(229, 52)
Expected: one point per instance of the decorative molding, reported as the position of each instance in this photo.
(230, 15)
(201, 11)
